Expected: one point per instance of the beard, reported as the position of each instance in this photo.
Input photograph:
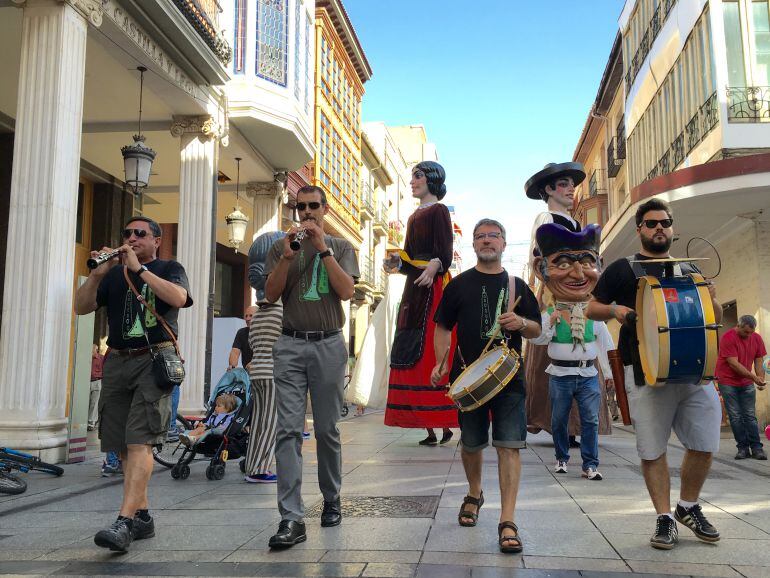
(488, 257)
(654, 246)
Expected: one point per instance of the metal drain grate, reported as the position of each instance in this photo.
(383, 507)
(676, 473)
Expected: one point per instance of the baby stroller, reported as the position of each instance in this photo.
(219, 447)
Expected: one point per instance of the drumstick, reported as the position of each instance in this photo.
(443, 361)
(491, 339)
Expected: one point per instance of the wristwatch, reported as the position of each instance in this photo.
(328, 253)
(141, 270)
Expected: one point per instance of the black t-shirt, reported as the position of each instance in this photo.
(618, 283)
(241, 342)
(473, 301)
(123, 308)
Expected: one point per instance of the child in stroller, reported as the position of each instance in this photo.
(217, 423)
(226, 438)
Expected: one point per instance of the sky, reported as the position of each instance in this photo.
(502, 87)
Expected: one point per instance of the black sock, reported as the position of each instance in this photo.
(129, 521)
(143, 515)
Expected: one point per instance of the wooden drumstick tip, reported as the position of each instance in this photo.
(443, 360)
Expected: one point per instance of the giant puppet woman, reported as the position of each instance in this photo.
(425, 260)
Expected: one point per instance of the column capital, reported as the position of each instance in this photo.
(203, 125)
(91, 10)
(269, 189)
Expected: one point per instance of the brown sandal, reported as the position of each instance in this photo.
(503, 540)
(478, 502)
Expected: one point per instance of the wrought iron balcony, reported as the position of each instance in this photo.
(380, 225)
(204, 16)
(596, 184)
(366, 277)
(677, 151)
(620, 136)
(615, 157)
(648, 38)
(367, 201)
(748, 103)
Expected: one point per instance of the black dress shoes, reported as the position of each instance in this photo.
(289, 533)
(332, 514)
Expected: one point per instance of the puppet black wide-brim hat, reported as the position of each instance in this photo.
(552, 238)
(535, 187)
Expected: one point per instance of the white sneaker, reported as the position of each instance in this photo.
(561, 468)
(592, 474)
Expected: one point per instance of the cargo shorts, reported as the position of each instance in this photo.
(132, 408)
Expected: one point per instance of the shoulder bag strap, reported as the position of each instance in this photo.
(511, 293)
(163, 323)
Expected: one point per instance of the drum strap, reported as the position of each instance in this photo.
(511, 293)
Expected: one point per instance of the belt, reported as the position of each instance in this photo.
(573, 363)
(310, 335)
(142, 350)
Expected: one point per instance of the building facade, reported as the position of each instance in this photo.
(695, 114)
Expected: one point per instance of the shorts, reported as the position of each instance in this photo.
(509, 420)
(693, 411)
(132, 408)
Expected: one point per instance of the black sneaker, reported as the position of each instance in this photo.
(666, 535)
(758, 454)
(117, 537)
(694, 519)
(743, 453)
(143, 529)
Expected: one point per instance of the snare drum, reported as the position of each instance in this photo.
(484, 378)
(676, 329)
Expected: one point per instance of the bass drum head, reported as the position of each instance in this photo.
(476, 372)
(651, 312)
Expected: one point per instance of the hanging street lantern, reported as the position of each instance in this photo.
(138, 158)
(236, 221)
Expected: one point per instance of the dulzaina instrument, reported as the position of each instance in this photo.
(94, 262)
(487, 376)
(676, 327)
(296, 242)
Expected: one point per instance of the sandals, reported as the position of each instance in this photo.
(509, 544)
(464, 514)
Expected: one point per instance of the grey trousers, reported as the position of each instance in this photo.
(318, 367)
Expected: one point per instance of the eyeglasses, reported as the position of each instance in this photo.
(314, 205)
(652, 223)
(418, 174)
(493, 235)
(140, 233)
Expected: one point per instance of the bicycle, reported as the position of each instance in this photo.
(164, 453)
(28, 461)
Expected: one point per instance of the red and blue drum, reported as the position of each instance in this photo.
(677, 330)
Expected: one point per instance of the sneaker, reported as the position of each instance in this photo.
(759, 454)
(111, 466)
(429, 441)
(143, 529)
(743, 453)
(592, 474)
(666, 533)
(187, 439)
(268, 478)
(694, 519)
(117, 537)
(172, 435)
(305, 435)
(561, 467)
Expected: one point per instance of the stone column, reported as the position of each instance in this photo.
(267, 199)
(37, 303)
(199, 136)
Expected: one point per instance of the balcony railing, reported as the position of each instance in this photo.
(204, 16)
(748, 103)
(381, 218)
(367, 200)
(596, 184)
(615, 157)
(366, 271)
(653, 28)
(620, 136)
(701, 123)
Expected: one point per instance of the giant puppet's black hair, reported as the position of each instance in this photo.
(436, 176)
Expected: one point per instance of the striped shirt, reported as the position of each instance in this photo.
(264, 331)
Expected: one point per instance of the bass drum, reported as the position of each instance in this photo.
(484, 378)
(676, 329)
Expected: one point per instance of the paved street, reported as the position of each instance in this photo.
(571, 527)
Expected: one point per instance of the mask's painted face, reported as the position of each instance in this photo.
(570, 275)
(563, 194)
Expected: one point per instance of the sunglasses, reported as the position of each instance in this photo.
(480, 236)
(652, 223)
(313, 205)
(418, 174)
(140, 233)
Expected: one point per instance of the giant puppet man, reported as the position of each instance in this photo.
(569, 267)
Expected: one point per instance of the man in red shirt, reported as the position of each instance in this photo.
(739, 348)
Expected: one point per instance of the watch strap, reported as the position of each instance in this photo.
(327, 253)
